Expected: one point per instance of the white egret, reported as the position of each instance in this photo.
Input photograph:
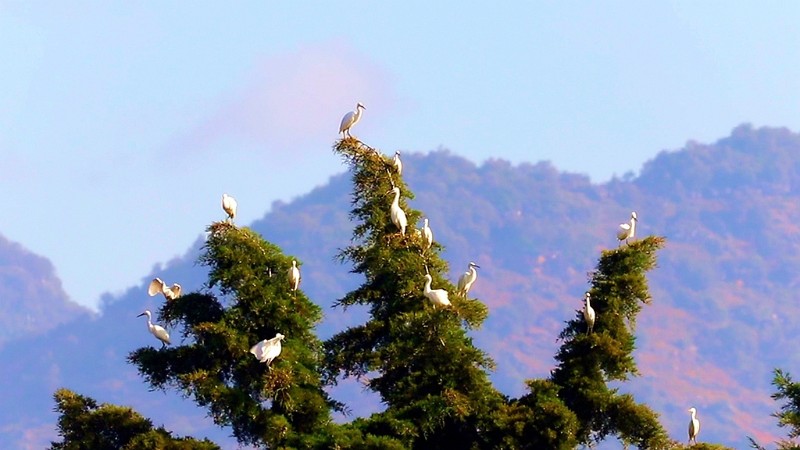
(398, 165)
(467, 279)
(427, 233)
(294, 276)
(437, 296)
(627, 230)
(350, 119)
(170, 292)
(268, 349)
(397, 213)
(229, 206)
(694, 426)
(588, 314)
(157, 330)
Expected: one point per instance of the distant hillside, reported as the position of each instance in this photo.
(32, 297)
(724, 311)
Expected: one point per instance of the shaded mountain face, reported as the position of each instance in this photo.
(32, 297)
(723, 311)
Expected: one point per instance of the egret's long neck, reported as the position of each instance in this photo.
(396, 201)
(588, 303)
(427, 285)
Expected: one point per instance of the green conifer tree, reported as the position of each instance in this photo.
(248, 299)
(789, 414)
(587, 362)
(85, 425)
(418, 357)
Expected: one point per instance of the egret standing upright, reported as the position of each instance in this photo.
(436, 296)
(294, 276)
(229, 206)
(467, 278)
(157, 330)
(627, 230)
(694, 426)
(396, 212)
(398, 165)
(588, 314)
(268, 349)
(170, 292)
(428, 234)
(350, 119)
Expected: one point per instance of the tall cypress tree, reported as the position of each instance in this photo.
(418, 357)
(85, 425)
(247, 299)
(589, 361)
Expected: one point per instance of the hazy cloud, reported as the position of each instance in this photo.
(295, 99)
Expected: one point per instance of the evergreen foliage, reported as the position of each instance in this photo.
(789, 414)
(280, 405)
(419, 358)
(85, 425)
(588, 362)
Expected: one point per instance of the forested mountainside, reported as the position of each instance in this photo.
(33, 300)
(724, 311)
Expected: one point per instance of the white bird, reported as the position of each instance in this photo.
(397, 213)
(627, 230)
(294, 276)
(170, 292)
(157, 330)
(229, 206)
(350, 119)
(398, 165)
(467, 279)
(427, 233)
(694, 426)
(588, 314)
(268, 349)
(437, 296)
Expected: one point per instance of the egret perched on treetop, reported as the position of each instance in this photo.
(694, 426)
(170, 292)
(157, 330)
(398, 165)
(229, 206)
(467, 278)
(427, 233)
(588, 314)
(268, 349)
(350, 119)
(397, 213)
(627, 230)
(437, 296)
(294, 276)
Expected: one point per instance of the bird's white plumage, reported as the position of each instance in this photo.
(466, 280)
(627, 230)
(436, 296)
(427, 233)
(694, 426)
(294, 276)
(350, 119)
(157, 330)
(397, 213)
(170, 292)
(398, 165)
(229, 205)
(268, 349)
(588, 314)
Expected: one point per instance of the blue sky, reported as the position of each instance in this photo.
(122, 123)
